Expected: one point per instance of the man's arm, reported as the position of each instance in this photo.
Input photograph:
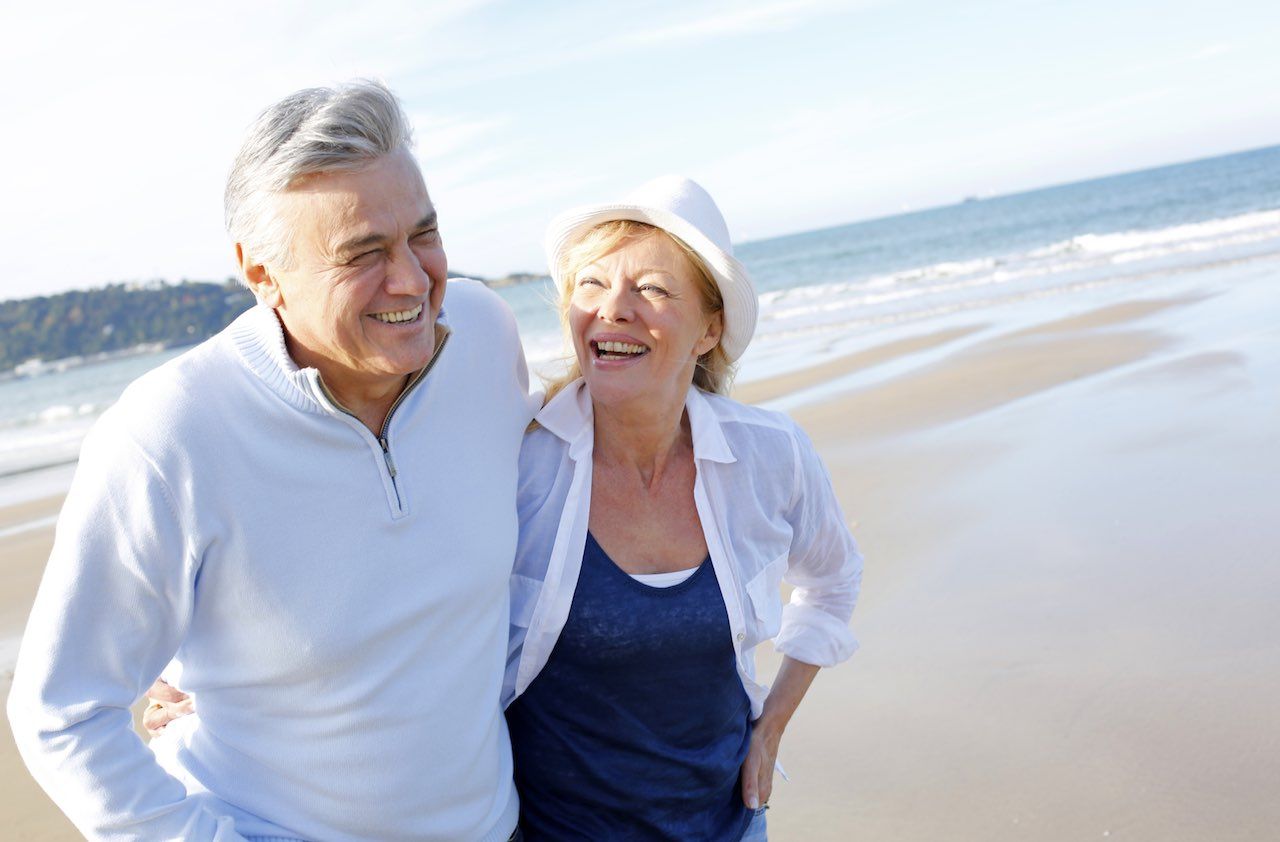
(111, 610)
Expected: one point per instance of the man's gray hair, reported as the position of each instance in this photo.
(317, 130)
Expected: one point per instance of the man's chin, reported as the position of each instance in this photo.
(404, 365)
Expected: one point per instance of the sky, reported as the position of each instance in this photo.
(121, 119)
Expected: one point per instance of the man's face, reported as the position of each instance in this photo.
(360, 299)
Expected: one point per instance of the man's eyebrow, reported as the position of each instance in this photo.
(361, 243)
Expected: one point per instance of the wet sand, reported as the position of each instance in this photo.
(1068, 619)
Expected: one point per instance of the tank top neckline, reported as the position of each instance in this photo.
(680, 587)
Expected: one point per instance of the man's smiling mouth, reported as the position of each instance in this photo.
(395, 317)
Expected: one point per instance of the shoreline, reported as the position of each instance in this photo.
(38, 367)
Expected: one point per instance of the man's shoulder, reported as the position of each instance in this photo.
(470, 304)
(175, 397)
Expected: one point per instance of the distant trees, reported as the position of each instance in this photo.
(120, 316)
(117, 317)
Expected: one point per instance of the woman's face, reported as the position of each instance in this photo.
(637, 320)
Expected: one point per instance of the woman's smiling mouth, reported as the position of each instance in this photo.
(611, 350)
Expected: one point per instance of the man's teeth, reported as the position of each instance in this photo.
(397, 316)
(620, 348)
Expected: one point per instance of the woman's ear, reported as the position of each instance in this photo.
(710, 339)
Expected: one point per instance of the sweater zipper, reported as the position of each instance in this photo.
(386, 457)
(383, 440)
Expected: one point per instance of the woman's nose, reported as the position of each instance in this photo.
(615, 305)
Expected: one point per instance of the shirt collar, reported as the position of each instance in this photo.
(709, 442)
(568, 416)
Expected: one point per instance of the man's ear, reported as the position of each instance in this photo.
(263, 286)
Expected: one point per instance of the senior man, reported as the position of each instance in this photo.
(312, 515)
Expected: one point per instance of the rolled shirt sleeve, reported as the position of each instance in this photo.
(824, 565)
(111, 611)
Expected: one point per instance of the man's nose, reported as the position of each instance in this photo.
(405, 273)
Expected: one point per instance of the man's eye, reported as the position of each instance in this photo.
(426, 236)
(365, 257)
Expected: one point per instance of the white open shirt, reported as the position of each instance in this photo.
(768, 513)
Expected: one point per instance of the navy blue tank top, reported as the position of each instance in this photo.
(638, 725)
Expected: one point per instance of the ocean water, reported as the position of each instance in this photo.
(821, 288)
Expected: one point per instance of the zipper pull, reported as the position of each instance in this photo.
(386, 454)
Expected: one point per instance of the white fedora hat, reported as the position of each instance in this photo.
(680, 207)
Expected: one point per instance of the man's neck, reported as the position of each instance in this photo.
(370, 405)
(369, 400)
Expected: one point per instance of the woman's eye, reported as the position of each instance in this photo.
(588, 282)
(652, 291)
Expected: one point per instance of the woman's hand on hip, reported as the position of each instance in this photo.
(789, 687)
(757, 769)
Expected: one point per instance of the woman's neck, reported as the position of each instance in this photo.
(641, 438)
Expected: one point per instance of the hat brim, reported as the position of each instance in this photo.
(737, 290)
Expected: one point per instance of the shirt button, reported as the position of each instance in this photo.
(741, 636)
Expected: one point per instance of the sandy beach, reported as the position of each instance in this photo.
(1067, 506)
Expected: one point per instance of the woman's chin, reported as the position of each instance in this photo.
(620, 389)
(610, 389)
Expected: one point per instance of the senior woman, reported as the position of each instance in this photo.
(657, 520)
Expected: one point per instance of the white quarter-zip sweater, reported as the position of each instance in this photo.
(339, 607)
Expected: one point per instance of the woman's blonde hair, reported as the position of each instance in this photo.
(713, 372)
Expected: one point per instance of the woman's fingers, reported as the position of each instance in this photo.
(750, 780)
(167, 703)
(160, 713)
(154, 718)
(163, 691)
(757, 773)
(764, 784)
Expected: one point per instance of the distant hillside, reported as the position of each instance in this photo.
(115, 318)
(122, 316)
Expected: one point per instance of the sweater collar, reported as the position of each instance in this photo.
(569, 416)
(259, 339)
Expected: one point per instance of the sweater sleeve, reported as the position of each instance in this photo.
(111, 610)
(824, 565)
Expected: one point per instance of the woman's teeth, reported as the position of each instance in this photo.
(614, 350)
(397, 316)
